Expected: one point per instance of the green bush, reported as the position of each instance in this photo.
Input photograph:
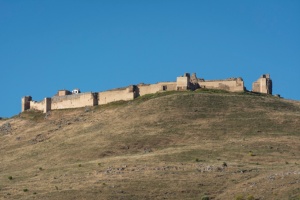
(250, 197)
(240, 197)
(205, 198)
(25, 190)
(10, 177)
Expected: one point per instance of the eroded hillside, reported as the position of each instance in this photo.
(179, 145)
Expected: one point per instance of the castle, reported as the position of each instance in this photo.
(75, 99)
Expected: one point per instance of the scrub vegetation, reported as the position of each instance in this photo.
(174, 145)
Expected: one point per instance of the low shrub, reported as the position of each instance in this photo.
(205, 198)
(250, 197)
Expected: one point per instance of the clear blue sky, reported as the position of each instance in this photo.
(98, 45)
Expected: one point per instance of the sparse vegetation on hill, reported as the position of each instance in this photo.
(174, 145)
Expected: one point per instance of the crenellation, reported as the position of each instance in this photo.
(65, 99)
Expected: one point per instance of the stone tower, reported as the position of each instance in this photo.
(182, 82)
(263, 85)
(26, 103)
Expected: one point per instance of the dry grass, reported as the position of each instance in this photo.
(162, 146)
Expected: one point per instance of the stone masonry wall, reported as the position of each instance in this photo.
(263, 85)
(25, 103)
(153, 88)
(116, 95)
(44, 105)
(236, 85)
(182, 83)
(37, 105)
(64, 99)
(73, 101)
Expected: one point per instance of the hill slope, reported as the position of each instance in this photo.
(179, 145)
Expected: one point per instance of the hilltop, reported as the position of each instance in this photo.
(172, 145)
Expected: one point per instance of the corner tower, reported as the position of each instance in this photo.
(263, 85)
(26, 103)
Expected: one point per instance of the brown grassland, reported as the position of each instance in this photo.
(174, 145)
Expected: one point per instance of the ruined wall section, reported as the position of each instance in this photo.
(232, 85)
(122, 94)
(187, 82)
(74, 101)
(194, 82)
(28, 103)
(144, 89)
(37, 105)
(25, 103)
(263, 85)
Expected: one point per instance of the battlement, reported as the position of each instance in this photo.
(66, 99)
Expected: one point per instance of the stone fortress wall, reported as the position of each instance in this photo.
(28, 103)
(65, 99)
(143, 89)
(124, 94)
(232, 84)
(73, 101)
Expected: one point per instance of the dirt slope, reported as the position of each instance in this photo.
(179, 145)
